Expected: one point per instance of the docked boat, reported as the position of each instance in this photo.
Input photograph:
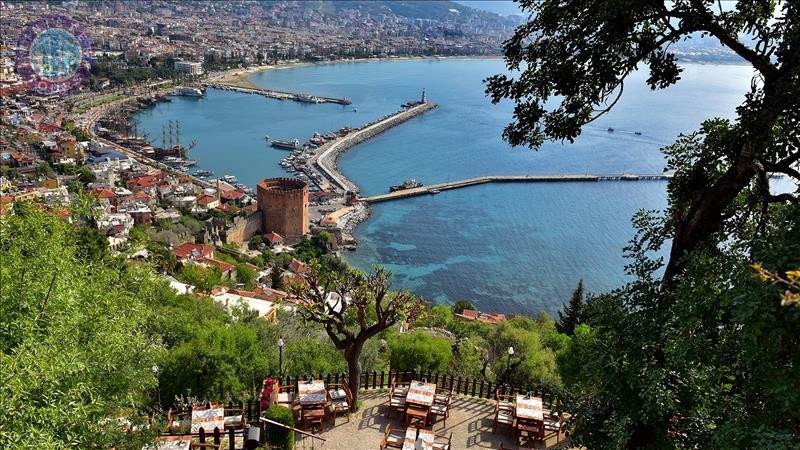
(410, 184)
(305, 98)
(434, 191)
(230, 179)
(189, 91)
(286, 145)
(202, 173)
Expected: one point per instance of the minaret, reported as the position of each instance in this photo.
(423, 95)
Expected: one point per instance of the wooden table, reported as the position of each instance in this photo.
(420, 393)
(412, 434)
(208, 419)
(311, 393)
(529, 408)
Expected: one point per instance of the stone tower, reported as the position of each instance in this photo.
(284, 207)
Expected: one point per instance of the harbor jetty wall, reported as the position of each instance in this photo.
(326, 161)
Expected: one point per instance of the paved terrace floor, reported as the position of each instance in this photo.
(470, 422)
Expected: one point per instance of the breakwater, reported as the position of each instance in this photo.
(279, 95)
(435, 188)
(326, 155)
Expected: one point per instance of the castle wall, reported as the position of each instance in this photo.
(243, 228)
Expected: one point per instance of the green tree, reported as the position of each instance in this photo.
(533, 363)
(461, 305)
(246, 275)
(573, 314)
(73, 347)
(421, 351)
(366, 306)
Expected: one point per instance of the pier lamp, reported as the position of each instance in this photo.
(281, 343)
(508, 365)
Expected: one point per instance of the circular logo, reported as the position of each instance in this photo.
(53, 55)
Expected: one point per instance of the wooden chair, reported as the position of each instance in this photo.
(504, 401)
(442, 442)
(416, 416)
(502, 417)
(554, 423)
(313, 416)
(392, 439)
(235, 417)
(399, 389)
(339, 404)
(285, 395)
(440, 410)
(531, 429)
(396, 404)
(176, 419)
(443, 396)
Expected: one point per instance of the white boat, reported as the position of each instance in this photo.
(189, 91)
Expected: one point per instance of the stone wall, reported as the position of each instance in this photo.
(243, 228)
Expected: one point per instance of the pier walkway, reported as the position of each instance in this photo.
(280, 95)
(510, 179)
(325, 156)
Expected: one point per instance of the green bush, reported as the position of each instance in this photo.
(279, 436)
(421, 351)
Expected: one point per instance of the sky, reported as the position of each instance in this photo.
(502, 7)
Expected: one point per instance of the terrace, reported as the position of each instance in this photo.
(460, 414)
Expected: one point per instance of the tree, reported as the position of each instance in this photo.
(573, 314)
(353, 307)
(461, 305)
(420, 351)
(276, 277)
(574, 66)
(74, 350)
(246, 275)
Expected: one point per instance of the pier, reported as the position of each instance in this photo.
(280, 95)
(424, 190)
(325, 157)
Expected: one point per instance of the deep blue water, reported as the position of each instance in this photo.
(506, 247)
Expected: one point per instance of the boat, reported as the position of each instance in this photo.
(286, 145)
(410, 184)
(189, 91)
(305, 98)
(266, 138)
(203, 173)
(229, 179)
(610, 130)
(434, 191)
(638, 133)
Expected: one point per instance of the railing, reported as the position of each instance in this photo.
(304, 435)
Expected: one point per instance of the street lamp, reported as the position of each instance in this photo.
(281, 343)
(158, 390)
(508, 366)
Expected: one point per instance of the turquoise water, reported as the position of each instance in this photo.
(517, 248)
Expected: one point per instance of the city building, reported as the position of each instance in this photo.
(189, 67)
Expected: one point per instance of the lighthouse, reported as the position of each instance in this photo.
(423, 96)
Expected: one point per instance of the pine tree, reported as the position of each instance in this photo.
(572, 316)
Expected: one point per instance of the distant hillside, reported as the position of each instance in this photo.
(440, 10)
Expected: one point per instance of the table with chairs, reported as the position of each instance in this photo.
(414, 438)
(525, 416)
(421, 404)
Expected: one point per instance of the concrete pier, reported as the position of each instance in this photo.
(326, 155)
(279, 95)
(423, 190)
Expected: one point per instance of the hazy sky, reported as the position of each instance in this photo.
(502, 7)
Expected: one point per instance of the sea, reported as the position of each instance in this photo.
(516, 248)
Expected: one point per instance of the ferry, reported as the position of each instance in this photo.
(410, 184)
(286, 145)
(189, 91)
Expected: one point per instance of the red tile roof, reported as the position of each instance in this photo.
(195, 251)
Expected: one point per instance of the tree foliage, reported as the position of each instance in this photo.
(421, 351)
(573, 314)
(74, 350)
(571, 68)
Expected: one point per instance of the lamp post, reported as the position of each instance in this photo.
(508, 366)
(280, 356)
(158, 389)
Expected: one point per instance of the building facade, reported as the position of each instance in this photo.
(189, 67)
(284, 207)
